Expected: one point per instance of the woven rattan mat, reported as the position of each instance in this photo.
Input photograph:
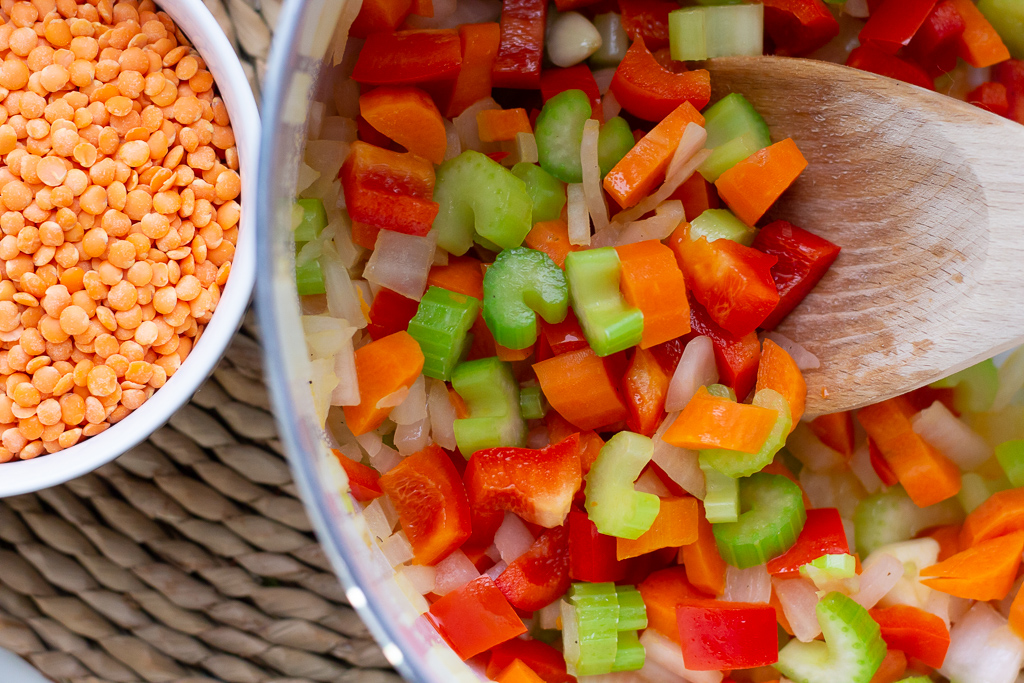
(189, 559)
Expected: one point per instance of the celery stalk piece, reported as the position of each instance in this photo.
(546, 191)
(890, 517)
(309, 278)
(728, 154)
(629, 653)
(830, 568)
(615, 507)
(532, 404)
(1010, 455)
(614, 41)
(722, 391)
(731, 117)
(609, 323)
(771, 517)
(719, 224)
(632, 610)
(915, 679)
(491, 394)
(613, 142)
(698, 33)
(559, 134)
(480, 196)
(974, 388)
(722, 497)
(737, 464)
(976, 489)
(519, 285)
(1007, 18)
(593, 628)
(852, 651)
(314, 220)
(441, 327)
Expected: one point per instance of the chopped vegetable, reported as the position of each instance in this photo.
(614, 40)
(609, 323)
(546, 191)
(518, 62)
(408, 58)
(662, 592)
(979, 44)
(822, 534)
(463, 275)
(479, 46)
(750, 187)
(539, 576)
(722, 496)
(376, 16)
(674, 527)
(779, 372)
(697, 33)
(388, 189)
(594, 622)
(868, 58)
(712, 422)
(727, 635)
(651, 92)
(652, 282)
(984, 571)
(716, 224)
(772, 515)
(578, 384)
(974, 388)
(539, 656)
(1006, 18)
(891, 516)
(705, 568)
(1010, 455)
(579, 77)
(497, 125)
(519, 285)
(363, 481)
(408, 116)
(645, 387)
(615, 507)
(491, 394)
(894, 23)
(799, 27)
(474, 618)
(440, 326)
(918, 633)
(559, 132)
(613, 143)
(382, 367)
(531, 403)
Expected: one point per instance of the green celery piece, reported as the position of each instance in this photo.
(546, 191)
(519, 285)
(609, 323)
(314, 220)
(731, 117)
(1007, 18)
(698, 33)
(790, 461)
(613, 142)
(852, 651)
(890, 517)
(441, 327)
(830, 568)
(590, 628)
(309, 278)
(614, 41)
(722, 497)
(737, 464)
(976, 489)
(479, 196)
(722, 391)
(491, 395)
(974, 388)
(629, 653)
(615, 507)
(632, 610)
(717, 224)
(486, 243)
(1010, 455)
(771, 517)
(728, 154)
(532, 404)
(916, 679)
(559, 134)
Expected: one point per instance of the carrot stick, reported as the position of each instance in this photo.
(518, 672)
(892, 668)
(652, 281)
(498, 125)
(705, 568)
(644, 166)
(462, 275)
(579, 386)
(551, 237)
(778, 371)
(928, 476)
(382, 368)
(1001, 514)
(697, 196)
(1017, 614)
(364, 234)
(711, 422)
(479, 47)
(408, 116)
(675, 526)
(835, 430)
(979, 45)
(750, 187)
(985, 571)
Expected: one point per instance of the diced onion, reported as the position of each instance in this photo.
(376, 520)
(307, 176)
(370, 442)
(493, 553)
(753, 584)
(860, 465)
(680, 464)
(512, 538)
(385, 459)
(495, 571)
(696, 369)
(667, 218)
(454, 147)
(442, 415)
(397, 549)
(799, 598)
(809, 449)
(414, 407)
(603, 78)
(326, 157)
(421, 577)
(538, 437)
(342, 300)
(346, 393)
(412, 438)
(592, 191)
(951, 436)
(579, 215)
(610, 106)
(401, 263)
(454, 571)
(526, 148)
(550, 616)
(650, 482)
(665, 653)
(322, 384)
(440, 257)
(983, 649)
(1011, 379)
(879, 577)
(394, 399)
(804, 359)
(339, 128)
(466, 125)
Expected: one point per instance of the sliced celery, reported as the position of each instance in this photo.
(1007, 18)
(615, 507)
(629, 653)
(441, 327)
(519, 285)
(737, 464)
(559, 134)
(718, 224)
(974, 388)
(546, 191)
(613, 142)
(491, 394)
(609, 323)
(314, 220)
(722, 391)
(697, 33)
(532, 404)
(595, 617)
(632, 610)
(1010, 455)
(728, 154)
(722, 497)
(976, 489)
(830, 568)
(890, 517)
(772, 515)
(309, 278)
(731, 117)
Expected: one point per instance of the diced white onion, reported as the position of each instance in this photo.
(951, 436)
(610, 106)
(667, 218)
(550, 616)
(983, 649)
(650, 482)
(680, 464)
(799, 598)
(808, 449)
(526, 148)
(442, 415)
(306, 177)
(325, 157)
(914, 555)
(512, 538)
(401, 262)
(342, 300)
(440, 257)
(538, 437)
(421, 577)
(454, 571)
(665, 653)
(493, 553)
(322, 384)
(385, 459)
(376, 519)
(340, 128)
(397, 549)
(495, 571)
(340, 225)
(323, 335)
(412, 438)
(414, 407)
(753, 584)
(592, 191)
(804, 359)
(346, 393)
(469, 132)
(578, 215)
(878, 578)
(857, 8)
(696, 369)
(938, 604)
(394, 399)
(860, 465)
(603, 78)
(1011, 379)
(370, 442)
(454, 146)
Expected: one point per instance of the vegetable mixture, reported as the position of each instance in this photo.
(539, 292)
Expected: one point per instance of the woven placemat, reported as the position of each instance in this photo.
(189, 559)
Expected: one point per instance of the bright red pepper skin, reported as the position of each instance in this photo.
(668, 353)
(564, 336)
(475, 618)
(835, 431)
(591, 554)
(798, 27)
(363, 481)
(894, 23)
(880, 465)
(876, 61)
(803, 259)
(539, 576)
(645, 387)
(389, 190)
(408, 57)
(579, 77)
(376, 16)
(521, 49)
(390, 312)
(822, 534)
(647, 19)
(662, 592)
(719, 635)
(917, 633)
(934, 46)
(431, 503)
(991, 97)
(737, 358)
(651, 92)
(1011, 74)
(545, 660)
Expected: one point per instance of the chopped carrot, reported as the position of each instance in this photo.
(578, 385)
(518, 672)
(408, 116)
(507, 354)
(551, 237)
(697, 196)
(1002, 513)
(979, 45)
(835, 430)
(750, 187)
(479, 48)
(652, 281)
(364, 234)
(711, 422)
(461, 411)
(985, 571)
(778, 371)
(948, 537)
(662, 592)
(674, 527)
(892, 668)
(927, 475)
(382, 368)
(1017, 614)
(462, 275)
(499, 125)
(376, 16)
(645, 388)
(705, 568)
(644, 166)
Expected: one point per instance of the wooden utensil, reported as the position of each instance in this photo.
(925, 195)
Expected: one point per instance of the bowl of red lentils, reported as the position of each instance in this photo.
(128, 141)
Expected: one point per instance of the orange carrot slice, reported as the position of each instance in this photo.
(1002, 513)
(408, 116)
(551, 237)
(985, 571)
(705, 568)
(499, 125)
(652, 281)
(750, 187)
(674, 527)
(462, 275)
(711, 422)
(579, 385)
(980, 45)
(382, 368)
(778, 371)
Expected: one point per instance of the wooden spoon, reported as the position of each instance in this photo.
(925, 195)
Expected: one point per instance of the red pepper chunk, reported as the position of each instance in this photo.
(592, 555)
(390, 313)
(1011, 74)
(479, 43)
(822, 534)
(651, 92)
(934, 46)
(363, 481)
(717, 635)
(662, 592)
(408, 57)
(376, 16)
(876, 61)
(917, 633)
(647, 20)
(475, 618)
(431, 503)
(389, 190)
(645, 387)
(835, 430)
(564, 336)
(579, 77)
(539, 576)
(803, 259)
(548, 662)
(990, 97)
(737, 358)
(893, 24)
(798, 27)
(522, 44)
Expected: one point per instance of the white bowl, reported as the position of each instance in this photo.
(23, 476)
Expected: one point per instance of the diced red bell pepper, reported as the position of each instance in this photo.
(732, 281)
(475, 618)
(803, 259)
(917, 633)
(798, 27)
(390, 313)
(668, 353)
(376, 16)
(876, 61)
(647, 20)
(408, 57)
(539, 576)
(719, 635)
(934, 46)
(363, 481)
(389, 190)
(924, 397)
(1011, 74)
(822, 534)
(697, 196)
(651, 92)
(564, 336)
(521, 48)
(645, 387)
(548, 662)
(835, 430)
(991, 97)
(894, 23)
(431, 503)
(881, 466)
(479, 44)
(579, 77)
(737, 358)
(592, 554)
(662, 592)
(368, 133)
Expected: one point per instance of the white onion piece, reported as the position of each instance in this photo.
(370, 442)
(804, 359)
(495, 571)
(401, 263)
(680, 464)
(341, 226)
(604, 77)
(878, 578)
(860, 465)
(493, 553)
(385, 459)
(753, 584)
(376, 521)
(608, 237)
(453, 572)
(696, 369)
(512, 538)
(665, 653)
(421, 577)
(983, 649)
(1011, 379)
(346, 393)
(592, 191)
(454, 142)
(322, 384)
(526, 148)
(394, 399)
(440, 257)
(610, 106)
(442, 415)
(808, 449)
(414, 407)
(323, 334)
(799, 598)
(951, 436)
(958, 607)
(578, 215)
(342, 300)
(550, 616)
(325, 157)
(857, 8)
(339, 128)
(538, 437)
(412, 438)
(397, 549)
(650, 482)
(915, 555)
(469, 132)
(938, 604)
(667, 218)
(306, 177)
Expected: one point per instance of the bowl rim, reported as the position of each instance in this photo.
(25, 476)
